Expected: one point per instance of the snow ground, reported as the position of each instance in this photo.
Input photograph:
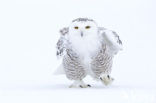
(57, 91)
(29, 32)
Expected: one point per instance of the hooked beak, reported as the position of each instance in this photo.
(81, 34)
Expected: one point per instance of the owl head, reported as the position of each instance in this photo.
(83, 27)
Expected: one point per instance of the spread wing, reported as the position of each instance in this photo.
(61, 44)
(111, 39)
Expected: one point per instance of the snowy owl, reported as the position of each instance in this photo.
(87, 49)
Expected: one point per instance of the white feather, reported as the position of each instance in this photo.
(87, 46)
(59, 70)
(111, 41)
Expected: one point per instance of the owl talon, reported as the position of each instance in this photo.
(89, 85)
(101, 78)
(85, 86)
(106, 79)
(79, 84)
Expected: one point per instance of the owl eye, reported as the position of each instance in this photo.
(87, 27)
(76, 27)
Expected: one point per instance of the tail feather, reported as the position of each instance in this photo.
(59, 70)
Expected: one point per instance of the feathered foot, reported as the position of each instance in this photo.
(106, 79)
(79, 84)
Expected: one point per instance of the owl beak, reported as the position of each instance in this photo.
(81, 34)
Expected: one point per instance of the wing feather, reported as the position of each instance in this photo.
(111, 39)
(61, 44)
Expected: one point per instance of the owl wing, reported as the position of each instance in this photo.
(111, 39)
(62, 42)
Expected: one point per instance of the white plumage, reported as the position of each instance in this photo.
(87, 50)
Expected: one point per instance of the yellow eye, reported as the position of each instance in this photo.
(87, 27)
(76, 27)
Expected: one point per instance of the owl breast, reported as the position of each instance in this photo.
(86, 48)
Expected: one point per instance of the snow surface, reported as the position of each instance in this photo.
(29, 32)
